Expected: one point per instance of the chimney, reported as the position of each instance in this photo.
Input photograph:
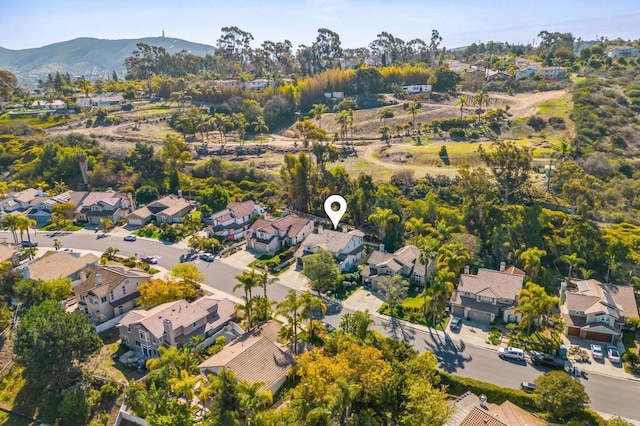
(169, 334)
(563, 292)
(466, 269)
(180, 193)
(98, 279)
(131, 205)
(83, 275)
(381, 247)
(26, 273)
(320, 229)
(344, 229)
(502, 266)
(483, 401)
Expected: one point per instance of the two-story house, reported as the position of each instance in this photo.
(597, 311)
(169, 209)
(553, 73)
(111, 291)
(270, 235)
(96, 205)
(621, 51)
(489, 294)
(20, 201)
(41, 208)
(347, 248)
(404, 261)
(174, 324)
(232, 222)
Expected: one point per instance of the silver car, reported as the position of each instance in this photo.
(613, 354)
(596, 351)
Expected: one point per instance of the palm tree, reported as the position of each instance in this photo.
(441, 290)
(288, 308)
(110, 252)
(247, 280)
(317, 110)
(241, 124)
(415, 226)
(252, 399)
(382, 218)
(413, 108)
(106, 224)
(56, 243)
(264, 281)
(343, 120)
(309, 304)
(182, 385)
(530, 259)
(481, 99)
(260, 126)
(385, 113)
(463, 102)
(428, 253)
(573, 261)
(10, 222)
(23, 223)
(384, 130)
(222, 121)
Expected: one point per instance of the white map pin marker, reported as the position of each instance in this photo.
(334, 215)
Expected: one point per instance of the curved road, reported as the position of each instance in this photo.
(608, 394)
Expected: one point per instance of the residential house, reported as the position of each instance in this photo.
(176, 324)
(107, 99)
(9, 254)
(260, 84)
(270, 235)
(97, 205)
(621, 51)
(232, 222)
(50, 105)
(597, 311)
(169, 209)
(496, 75)
(41, 207)
(254, 357)
(525, 73)
(526, 68)
(234, 84)
(111, 291)
(553, 73)
(60, 264)
(405, 261)
(20, 201)
(347, 248)
(487, 295)
(473, 410)
(417, 88)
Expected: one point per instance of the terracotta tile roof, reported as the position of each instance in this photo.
(254, 359)
(59, 264)
(6, 252)
(142, 212)
(241, 209)
(468, 412)
(480, 417)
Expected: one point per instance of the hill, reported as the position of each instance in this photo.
(88, 57)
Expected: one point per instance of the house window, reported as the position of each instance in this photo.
(121, 309)
(143, 335)
(82, 298)
(195, 324)
(138, 343)
(125, 339)
(126, 281)
(112, 297)
(485, 299)
(124, 290)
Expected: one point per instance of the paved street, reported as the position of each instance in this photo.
(459, 356)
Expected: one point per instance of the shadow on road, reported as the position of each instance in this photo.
(399, 331)
(451, 357)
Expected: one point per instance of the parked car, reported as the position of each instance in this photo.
(27, 243)
(68, 250)
(130, 237)
(514, 353)
(596, 351)
(528, 386)
(455, 323)
(540, 358)
(101, 236)
(328, 326)
(150, 259)
(207, 257)
(613, 354)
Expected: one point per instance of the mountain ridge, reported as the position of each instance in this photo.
(85, 56)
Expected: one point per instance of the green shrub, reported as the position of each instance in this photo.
(457, 385)
(457, 133)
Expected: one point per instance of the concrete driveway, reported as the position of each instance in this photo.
(604, 366)
(240, 259)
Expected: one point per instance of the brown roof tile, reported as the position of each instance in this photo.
(112, 276)
(502, 284)
(57, 264)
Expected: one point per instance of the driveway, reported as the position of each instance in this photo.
(240, 259)
(604, 366)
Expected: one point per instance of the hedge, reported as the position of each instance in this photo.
(495, 394)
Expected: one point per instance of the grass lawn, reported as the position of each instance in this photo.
(156, 234)
(559, 107)
(71, 228)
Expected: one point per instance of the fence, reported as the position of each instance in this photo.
(108, 324)
(123, 415)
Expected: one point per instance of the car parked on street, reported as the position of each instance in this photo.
(328, 326)
(455, 323)
(540, 358)
(150, 259)
(207, 257)
(596, 351)
(130, 237)
(528, 386)
(513, 353)
(27, 243)
(613, 354)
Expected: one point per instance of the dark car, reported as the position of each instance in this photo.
(27, 243)
(455, 323)
(528, 386)
(328, 326)
(150, 259)
(540, 358)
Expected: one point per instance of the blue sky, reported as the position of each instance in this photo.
(34, 23)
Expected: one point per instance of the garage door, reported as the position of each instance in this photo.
(574, 331)
(600, 337)
(458, 311)
(480, 316)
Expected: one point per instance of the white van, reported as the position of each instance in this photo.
(510, 352)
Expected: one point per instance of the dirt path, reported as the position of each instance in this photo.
(527, 104)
